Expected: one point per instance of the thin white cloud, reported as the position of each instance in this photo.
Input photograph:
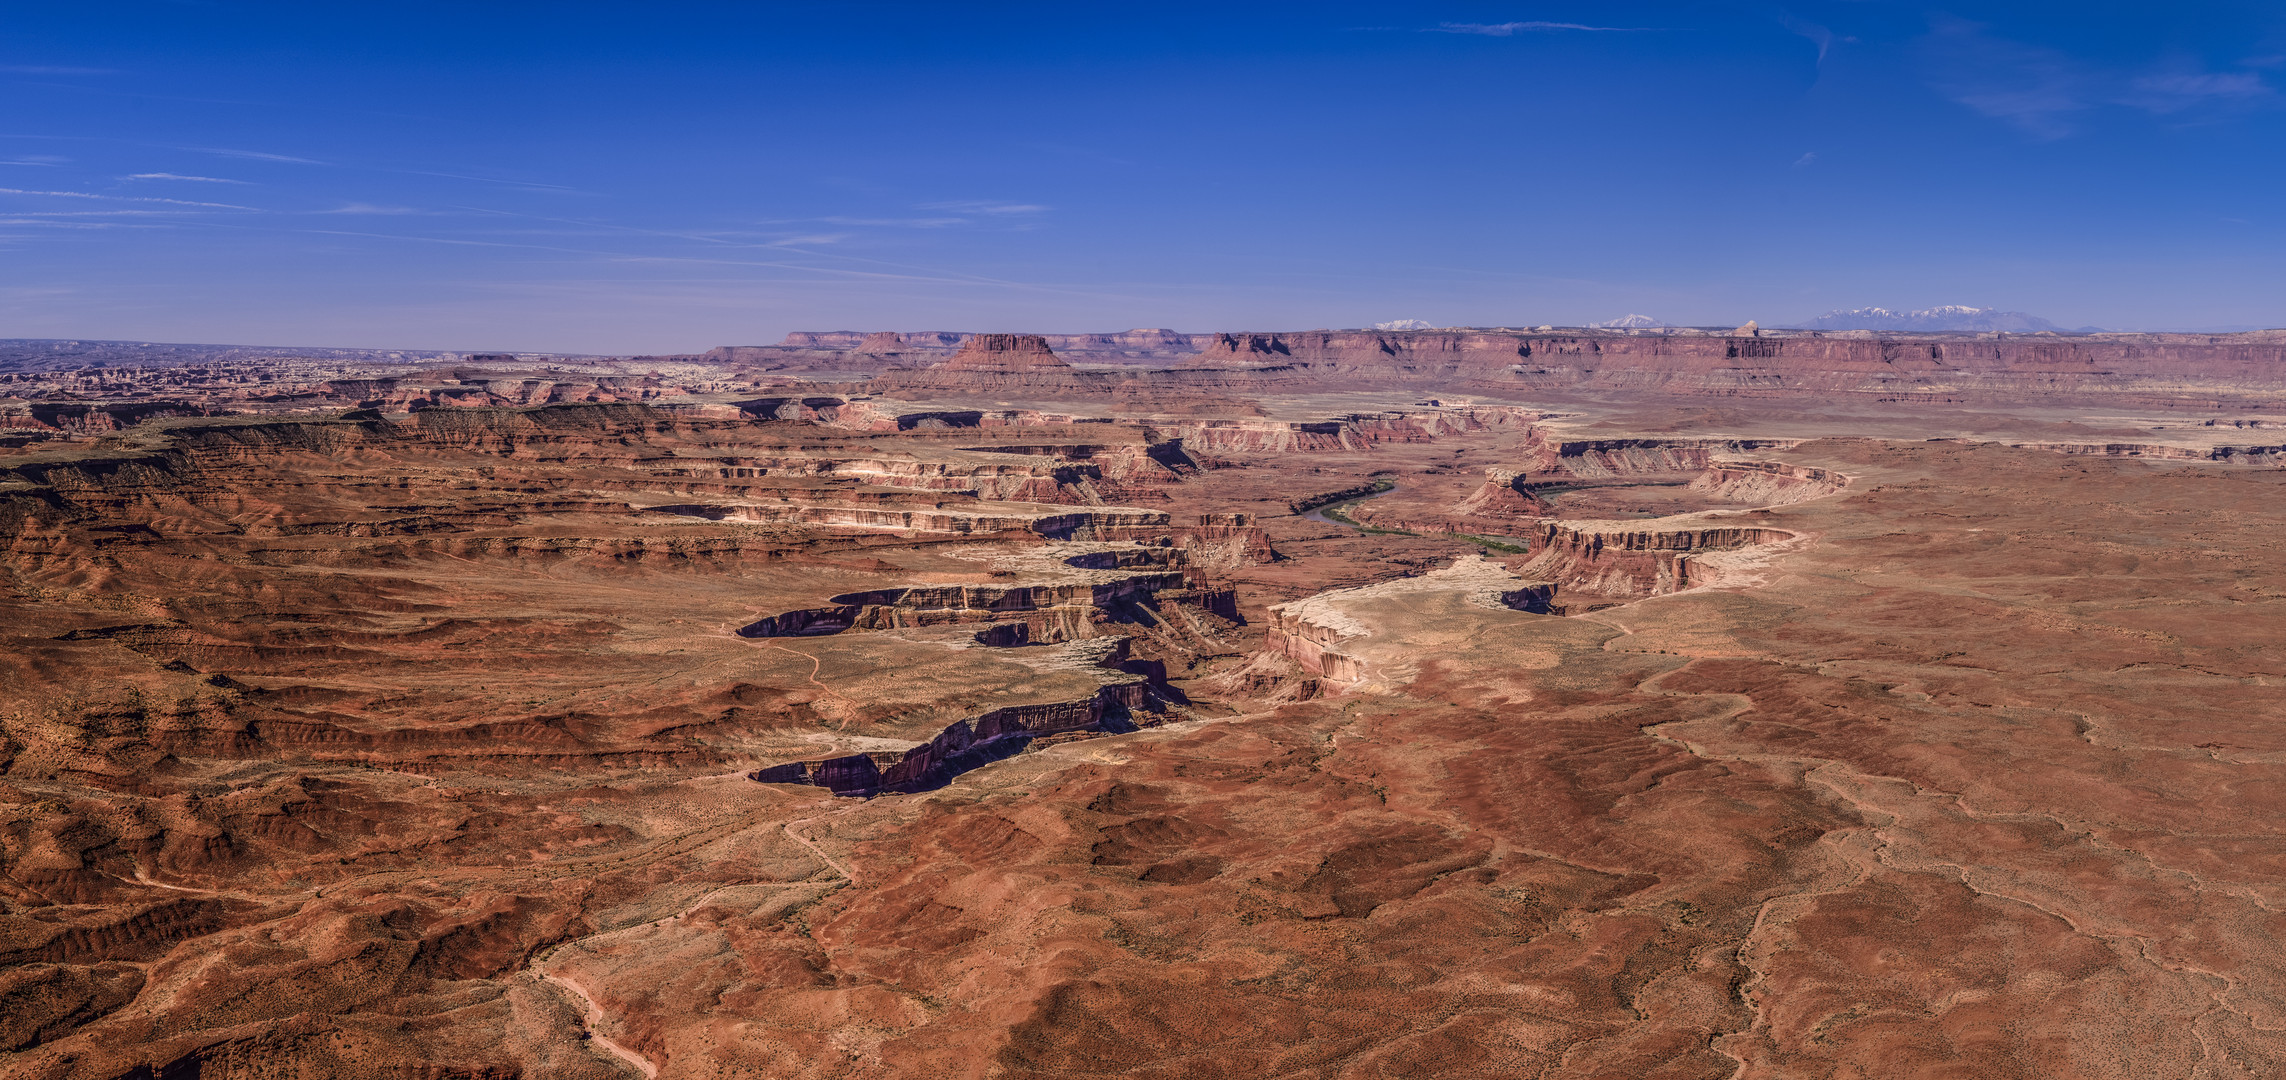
(531, 184)
(1818, 35)
(2045, 93)
(53, 69)
(985, 207)
(92, 213)
(122, 198)
(897, 223)
(73, 224)
(2177, 92)
(257, 155)
(1511, 29)
(370, 208)
(2037, 90)
(1806, 160)
(179, 176)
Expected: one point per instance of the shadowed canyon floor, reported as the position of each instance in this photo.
(1661, 738)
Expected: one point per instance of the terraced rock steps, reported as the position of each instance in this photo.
(970, 744)
(1630, 559)
(972, 519)
(1635, 478)
(1062, 592)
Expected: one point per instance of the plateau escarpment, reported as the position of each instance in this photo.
(1213, 376)
(1627, 559)
(2179, 369)
(1056, 594)
(971, 744)
(1560, 477)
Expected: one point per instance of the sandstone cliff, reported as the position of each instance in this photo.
(1005, 354)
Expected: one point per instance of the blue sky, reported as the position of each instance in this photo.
(656, 178)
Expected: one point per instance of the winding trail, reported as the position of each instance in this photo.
(595, 1013)
(648, 1067)
(816, 666)
(818, 851)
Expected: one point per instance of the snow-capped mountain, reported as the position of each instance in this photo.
(1406, 324)
(1948, 317)
(1628, 322)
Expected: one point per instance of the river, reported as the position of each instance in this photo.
(1319, 514)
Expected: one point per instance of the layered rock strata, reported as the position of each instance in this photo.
(2225, 454)
(978, 519)
(967, 745)
(1005, 354)
(1061, 593)
(1637, 559)
(1766, 483)
(1505, 496)
(1549, 452)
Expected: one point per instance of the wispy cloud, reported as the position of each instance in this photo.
(2045, 92)
(94, 213)
(968, 211)
(256, 155)
(896, 223)
(1818, 35)
(2177, 92)
(985, 207)
(2035, 89)
(73, 223)
(1511, 29)
(1806, 160)
(530, 184)
(123, 198)
(372, 209)
(53, 69)
(179, 176)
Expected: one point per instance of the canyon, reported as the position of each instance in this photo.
(1555, 703)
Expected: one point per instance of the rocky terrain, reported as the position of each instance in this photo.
(1336, 704)
(71, 386)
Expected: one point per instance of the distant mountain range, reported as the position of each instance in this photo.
(1955, 317)
(1628, 322)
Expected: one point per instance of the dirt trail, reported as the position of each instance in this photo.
(818, 851)
(595, 1013)
(816, 666)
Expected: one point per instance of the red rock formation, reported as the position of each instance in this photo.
(1005, 354)
(1767, 483)
(1626, 559)
(2147, 366)
(2248, 455)
(1129, 346)
(1506, 495)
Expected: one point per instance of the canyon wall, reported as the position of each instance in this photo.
(1626, 559)
(2173, 368)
